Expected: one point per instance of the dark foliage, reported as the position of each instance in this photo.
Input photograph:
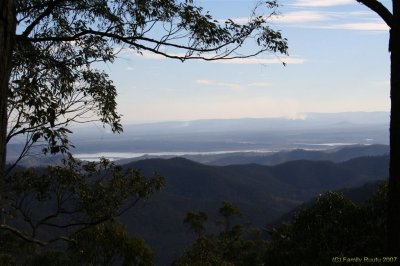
(75, 206)
(332, 227)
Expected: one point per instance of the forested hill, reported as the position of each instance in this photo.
(263, 193)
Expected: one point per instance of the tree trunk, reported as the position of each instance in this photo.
(7, 36)
(393, 223)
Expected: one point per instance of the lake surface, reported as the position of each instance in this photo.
(125, 155)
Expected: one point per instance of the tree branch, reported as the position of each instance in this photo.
(125, 39)
(132, 41)
(31, 239)
(380, 9)
(45, 13)
(22, 235)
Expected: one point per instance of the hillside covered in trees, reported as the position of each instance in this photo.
(264, 194)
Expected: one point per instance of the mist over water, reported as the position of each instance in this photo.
(125, 155)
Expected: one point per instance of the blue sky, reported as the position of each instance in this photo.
(338, 62)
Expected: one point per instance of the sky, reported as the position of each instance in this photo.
(339, 62)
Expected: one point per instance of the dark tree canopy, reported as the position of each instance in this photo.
(78, 204)
(236, 243)
(331, 227)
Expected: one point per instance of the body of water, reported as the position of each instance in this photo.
(125, 155)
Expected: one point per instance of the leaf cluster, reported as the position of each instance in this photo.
(105, 244)
(233, 245)
(109, 244)
(332, 227)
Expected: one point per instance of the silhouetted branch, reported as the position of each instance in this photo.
(22, 235)
(380, 9)
(45, 13)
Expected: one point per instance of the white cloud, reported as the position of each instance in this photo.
(204, 81)
(150, 55)
(302, 16)
(263, 61)
(260, 84)
(129, 68)
(290, 17)
(360, 20)
(321, 3)
(309, 16)
(228, 85)
(368, 26)
(144, 54)
(231, 85)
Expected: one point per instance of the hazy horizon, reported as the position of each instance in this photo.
(315, 131)
(298, 116)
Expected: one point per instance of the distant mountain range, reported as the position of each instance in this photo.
(314, 131)
(306, 121)
(311, 131)
(339, 154)
(263, 193)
